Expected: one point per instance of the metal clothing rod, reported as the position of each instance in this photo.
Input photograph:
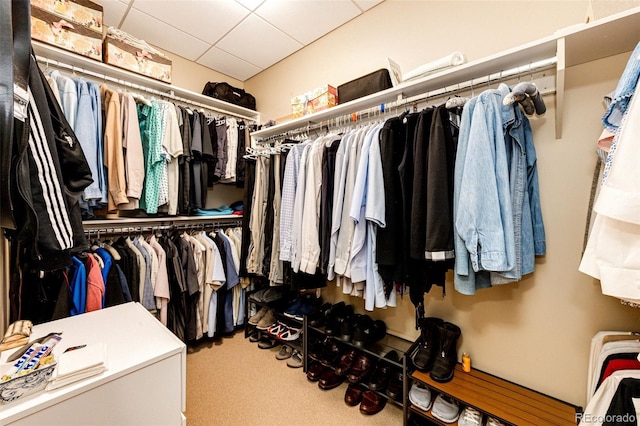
(383, 109)
(139, 87)
(147, 228)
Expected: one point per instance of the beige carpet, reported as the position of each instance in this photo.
(232, 382)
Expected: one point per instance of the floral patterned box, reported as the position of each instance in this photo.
(315, 100)
(133, 58)
(72, 25)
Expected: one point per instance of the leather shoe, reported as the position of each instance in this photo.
(353, 395)
(372, 403)
(361, 369)
(315, 372)
(267, 343)
(330, 380)
(380, 377)
(394, 388)
(331, 355)
(345, 362)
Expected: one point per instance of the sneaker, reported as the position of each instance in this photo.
(266, 321)
(277, 328)
(296, 360)
(292, 310)
(470, 417)
(285, 352)
(309, 304)
(255, 319)
(420, 396)
(445, 408)
(494, 422)
(290, 334)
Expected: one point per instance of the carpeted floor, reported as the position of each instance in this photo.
(230, 381)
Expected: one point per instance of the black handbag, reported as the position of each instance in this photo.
(228, 93)
(365, 85)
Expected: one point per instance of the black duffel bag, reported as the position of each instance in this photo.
(365, 85)
(228, 93)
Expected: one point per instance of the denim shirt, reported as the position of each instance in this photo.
(497, 215)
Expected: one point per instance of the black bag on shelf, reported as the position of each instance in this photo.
(228, 93)
(365, 85)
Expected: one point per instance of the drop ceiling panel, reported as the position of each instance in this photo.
(207, 20)
(250, 4)
(258, 42)
(113, 11)
(228, 64)
(307, 20)
(162, 35)
(238, 38)
(366, 4)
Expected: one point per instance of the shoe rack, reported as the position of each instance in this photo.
(297, 344)
(376, 351)
(495, 397)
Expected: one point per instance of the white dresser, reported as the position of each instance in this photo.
(144, 384)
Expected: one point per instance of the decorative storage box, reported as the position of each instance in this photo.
(71, 25)
(28, 384)
(320, 98)
(133, 57)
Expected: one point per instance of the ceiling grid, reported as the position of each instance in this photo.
(238, 38)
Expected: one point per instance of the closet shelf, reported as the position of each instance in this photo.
(86, 64)
(135, 222)
(571, 46)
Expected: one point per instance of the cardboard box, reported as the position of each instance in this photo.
(71, 25)
(315, 100)
(132, 58)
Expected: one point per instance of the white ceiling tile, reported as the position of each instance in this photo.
(207, 20)
(258, 42)
(228, 64)
(160, 34)
(250, 4)
(367, 4)
(307, 20)
(113, 11)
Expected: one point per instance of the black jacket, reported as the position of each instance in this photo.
(50, 172)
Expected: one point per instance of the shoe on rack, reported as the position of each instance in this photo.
(285, 352)
(266, 321)
(296, 360)
(267, 343)
(309, 304)
(420, 396)
(469, 416)
(255, 319)
(368, 331)
(394, 388)
(425, 353)
(330, 380)
(372, 403)
(345, 362)
(277, 328)
(380, 377)
(273, 294)
(318, 317)
(447, 355)
(331, 355)
(254, 336)
(256, 296)
(493, 422)
(353, 395)
(318, 348)
(290, 334)
(361, 369)
(333, 326)
(315, 371)
(445, 408)
(291, 311)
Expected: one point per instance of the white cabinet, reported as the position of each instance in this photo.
(145, 380)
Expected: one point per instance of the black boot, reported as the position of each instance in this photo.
(426, 351)
(447, 355)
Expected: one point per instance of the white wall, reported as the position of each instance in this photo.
(536, 332)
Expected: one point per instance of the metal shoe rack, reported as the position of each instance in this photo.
(377, 351)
